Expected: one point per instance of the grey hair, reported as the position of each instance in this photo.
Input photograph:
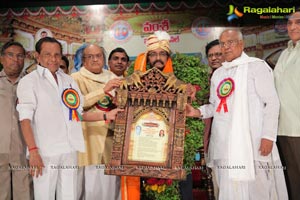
(102, 48)
(237, 30)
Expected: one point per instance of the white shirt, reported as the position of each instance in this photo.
(287, 74)
(40, 100)
(263, 111)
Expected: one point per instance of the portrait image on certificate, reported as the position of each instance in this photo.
(149, 139)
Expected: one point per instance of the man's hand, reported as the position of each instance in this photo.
(192, 112)
(112, 84)
(266, 147)
(111, 115)
(191, 91)
(36, 164)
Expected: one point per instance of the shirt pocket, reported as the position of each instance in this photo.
(5, 97)
(2, 92)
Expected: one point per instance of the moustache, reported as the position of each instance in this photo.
(158, 61)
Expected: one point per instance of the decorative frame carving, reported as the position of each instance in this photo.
(150, 95)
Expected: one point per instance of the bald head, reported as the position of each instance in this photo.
(232, 44)
(234, 30)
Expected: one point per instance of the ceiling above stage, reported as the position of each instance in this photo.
(204, 3)
(39, 3)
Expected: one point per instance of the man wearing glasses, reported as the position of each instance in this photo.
(13, 164)
(245, 107)
(97, 86)
(214, 55)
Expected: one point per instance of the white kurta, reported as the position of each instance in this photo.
(40, 100)
(286, 74)
(58, 138)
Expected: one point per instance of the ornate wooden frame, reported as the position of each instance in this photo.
(143, 93)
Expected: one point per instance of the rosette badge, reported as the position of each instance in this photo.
(224, 90)
(105, 103)
(71, 100)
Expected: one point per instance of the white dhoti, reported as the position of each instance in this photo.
(98, 186)
(269, 183)
(59, 176)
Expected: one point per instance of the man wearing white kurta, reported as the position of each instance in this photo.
(49, 103)
(51, 138)
(97, 84)
(245, 107)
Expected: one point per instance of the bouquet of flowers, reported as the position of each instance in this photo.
(160, 189)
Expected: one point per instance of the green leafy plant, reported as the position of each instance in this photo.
(190, 70)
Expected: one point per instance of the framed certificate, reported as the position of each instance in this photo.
(148, 138)
(149, 134)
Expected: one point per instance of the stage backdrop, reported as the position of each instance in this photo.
(191, 26)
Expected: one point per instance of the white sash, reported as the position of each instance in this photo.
(240, 156)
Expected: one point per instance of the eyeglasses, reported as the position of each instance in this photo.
(217, 54)
(229, 43)
(160, 54)
(12, 55)
(93, 56)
